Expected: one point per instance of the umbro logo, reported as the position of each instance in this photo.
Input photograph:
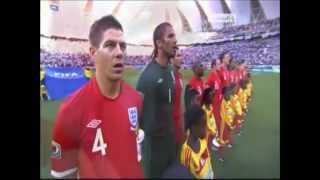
(94, 123)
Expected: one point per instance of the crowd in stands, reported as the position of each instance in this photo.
(51, 59)
(256, 51)
(255, 28)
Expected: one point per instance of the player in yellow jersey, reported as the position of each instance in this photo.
(236, 106)
(195, 153)
(42, 75)
(43, 93)
(226, 125)
(207, 97)
(88, 73)
(250, 87)
(195, 99)
(243, 96)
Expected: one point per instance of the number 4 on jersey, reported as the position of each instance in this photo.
(99, 144)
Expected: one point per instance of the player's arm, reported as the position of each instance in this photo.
(146, 87)
(223, 122)
(237, 106)
(228, 115)
(187, 100)
(64, 155)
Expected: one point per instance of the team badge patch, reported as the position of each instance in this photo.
(55, 150)
(133, 117)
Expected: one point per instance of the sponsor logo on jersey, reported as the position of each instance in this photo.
(133, 117)
(94, 123)
(55, 150)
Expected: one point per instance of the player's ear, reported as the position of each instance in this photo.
(159, 44)
(93, 52)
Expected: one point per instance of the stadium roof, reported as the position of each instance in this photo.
(139, 18)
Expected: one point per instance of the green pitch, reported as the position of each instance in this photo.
(255, 154)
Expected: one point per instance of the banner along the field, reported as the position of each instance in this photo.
(61, 82)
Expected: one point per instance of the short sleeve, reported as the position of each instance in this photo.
(64, 153)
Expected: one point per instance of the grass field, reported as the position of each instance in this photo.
(255, 154)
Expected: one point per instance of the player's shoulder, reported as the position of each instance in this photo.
(75, 101)
(192, 80)
(149, 71)
(149, 76)
(127, 88)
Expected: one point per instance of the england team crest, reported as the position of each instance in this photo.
(133, 117)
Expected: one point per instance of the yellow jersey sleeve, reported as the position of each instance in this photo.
(226, 112)
(211, 122)
(236, 105)
(42, 74)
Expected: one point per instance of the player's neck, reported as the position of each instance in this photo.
(176, 69)
(162, 59)
(194, 143)
(197, 77)
(108, 88)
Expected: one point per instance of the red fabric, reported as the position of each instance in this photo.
(215, 82)
(224, 76)
(77, 139)
(177, 107)
(196, 84)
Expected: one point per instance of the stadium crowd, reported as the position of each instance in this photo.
(254, 28)
(256, 52)
(50, 59)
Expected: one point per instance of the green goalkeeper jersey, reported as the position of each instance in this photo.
(157, 85)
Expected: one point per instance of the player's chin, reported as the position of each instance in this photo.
(116, 76)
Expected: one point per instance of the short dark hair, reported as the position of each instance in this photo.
(193, 116)
(225, 90)
(242, 61)
(243, 84)
(205, 94)
(157, 35)
(100, 26)
(193, 94)
(213, 63)
(223, 54)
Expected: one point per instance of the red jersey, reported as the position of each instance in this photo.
(215, 82)
(224, 76)
(232, 75)
(243, 73)
(196, 84)
(96, 136)
(177, 105)
(237, 76)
